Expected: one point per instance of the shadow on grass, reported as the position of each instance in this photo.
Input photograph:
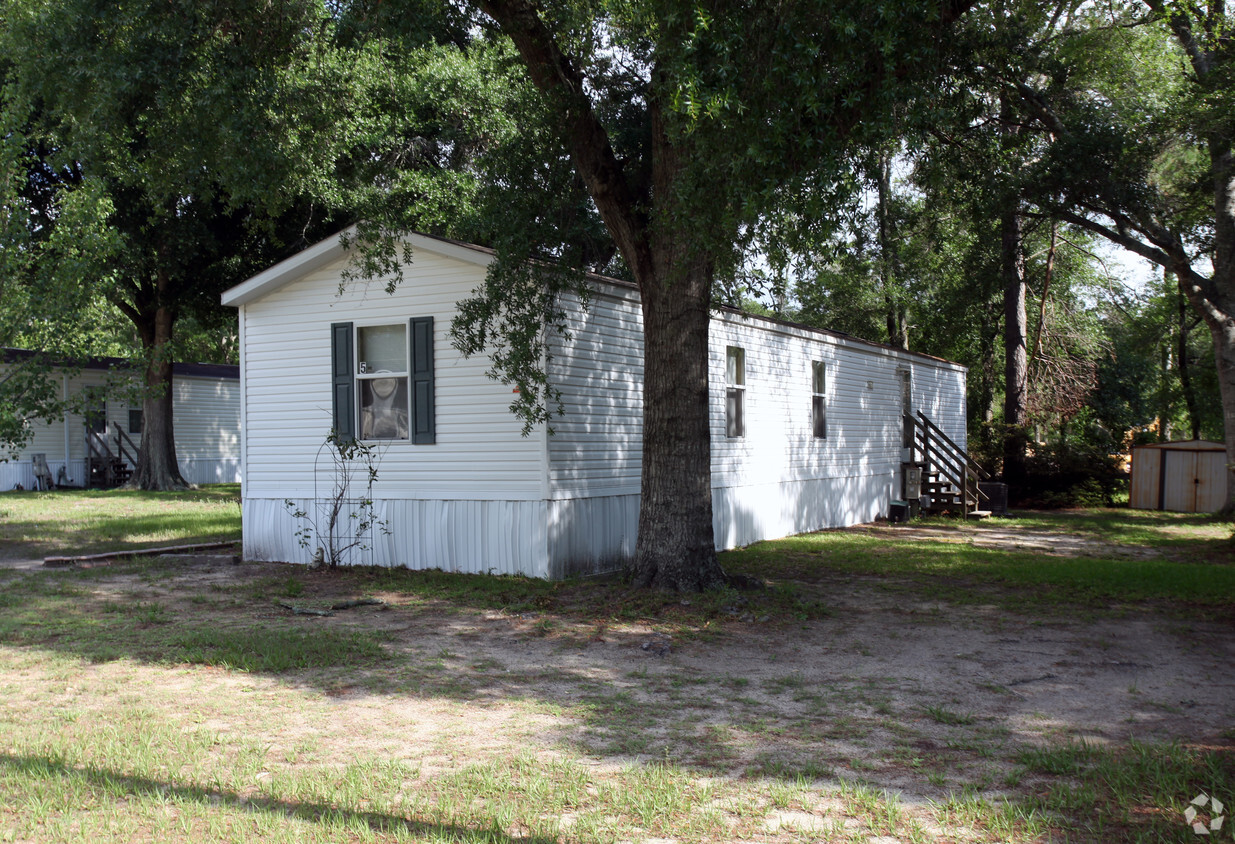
(1122, 524)
(120, 784)
(39, 524)
(616, 708)
(1198, 582)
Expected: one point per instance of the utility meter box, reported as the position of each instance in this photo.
(912, 474)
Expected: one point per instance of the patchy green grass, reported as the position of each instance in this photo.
(1196, 573)
(40, 524)
(1125, 526)
(65, 611)
(1133, 793)
(156, 700)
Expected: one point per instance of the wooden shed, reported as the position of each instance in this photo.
(1187, 477)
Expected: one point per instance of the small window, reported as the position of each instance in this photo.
(818, 399)
(381, 382)
(735, 391)
(906, 408)
(135, 421)
(96, 411)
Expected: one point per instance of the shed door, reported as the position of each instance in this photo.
(1210, 481)
(1146, 463)
(1189, 487)
(1179, 481)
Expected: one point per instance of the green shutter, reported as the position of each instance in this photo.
(423, 429)
(344, 383)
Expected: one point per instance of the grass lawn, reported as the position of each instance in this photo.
(1111, 558)
(954, 683)
(41, 524)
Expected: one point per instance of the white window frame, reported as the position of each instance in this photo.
(364, 379)
(819, 399)
(735, 392)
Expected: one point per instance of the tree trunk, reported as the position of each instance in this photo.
(1015, 328)
(1219, 311)
(1164, 393)
(983, 404)
(1185, 374)
(889, 265)
(1223, 331)
(157, 467)
(676, 549)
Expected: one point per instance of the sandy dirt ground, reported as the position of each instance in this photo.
(886, 686)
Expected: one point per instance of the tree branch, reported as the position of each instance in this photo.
(1198, 288)
(556, 76)
(1181, 25)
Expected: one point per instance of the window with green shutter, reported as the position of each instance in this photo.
(383, 381)
(423, 426)
(343, 394)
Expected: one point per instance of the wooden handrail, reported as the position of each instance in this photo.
(121, 439)
(942, 455)
(945, 467)
(960, 452)
(97, 446)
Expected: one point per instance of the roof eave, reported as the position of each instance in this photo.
(330, 250)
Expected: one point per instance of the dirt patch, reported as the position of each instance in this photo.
(918, 697)
(1051, 542)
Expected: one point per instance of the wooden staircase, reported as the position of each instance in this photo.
(105, 469)
(949, 475)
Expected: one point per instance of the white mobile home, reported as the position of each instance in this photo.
(205, 408)
(806, 425)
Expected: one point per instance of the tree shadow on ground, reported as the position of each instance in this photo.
(122, 785)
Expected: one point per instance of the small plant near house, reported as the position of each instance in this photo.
(343, 521)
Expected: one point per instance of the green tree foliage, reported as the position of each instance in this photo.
(38, 312)
(1137, 103)
(171, 149)
(691, 131)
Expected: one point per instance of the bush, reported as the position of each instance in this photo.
(1072, 475)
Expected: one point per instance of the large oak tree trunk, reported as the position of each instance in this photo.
(1222, 325)
(1223, 331)
(675, 548)
(157, 467)
(1185, 373)
(1218, 312)
(1215, 301)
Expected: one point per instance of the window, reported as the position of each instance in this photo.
(906, 408)
(135, 420)
(386, 391)
(96, 411)
(818, 399)
(381, 382)
(735, 391)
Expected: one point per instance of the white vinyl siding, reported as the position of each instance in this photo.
(480, 452)
(597, 446)
(206, 420)
(778, 478)
(485, 498)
